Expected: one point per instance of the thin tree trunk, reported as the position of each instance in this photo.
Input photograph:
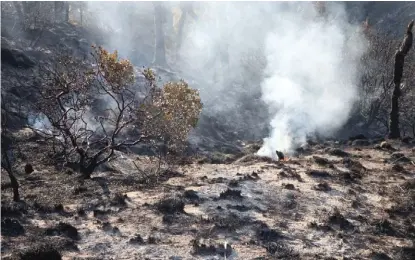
(66, 7)
(159, 48)
(19, 11)
(181, 26)
(394, 131)
(58, 9)
(81, 13)
(15, 184)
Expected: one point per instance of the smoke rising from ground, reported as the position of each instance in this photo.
(258, 65)
(309, 81)
(311, 76)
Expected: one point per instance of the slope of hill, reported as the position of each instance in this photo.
(333, 201)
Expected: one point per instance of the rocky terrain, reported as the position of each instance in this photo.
(334, 200)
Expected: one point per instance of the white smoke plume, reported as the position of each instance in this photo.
(311, 72)
(304, 72)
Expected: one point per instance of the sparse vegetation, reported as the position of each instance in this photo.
(150, 187)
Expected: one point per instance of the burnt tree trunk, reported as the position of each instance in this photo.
(6, 146)
(66, 11)
(159, 48)
(394, 131)
(8, 167)
(86, 166)
(87, 171)
(81, 12)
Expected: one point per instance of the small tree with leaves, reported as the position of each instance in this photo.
(175, 109)
(90, 132)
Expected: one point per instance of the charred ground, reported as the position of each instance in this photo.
(335, 200)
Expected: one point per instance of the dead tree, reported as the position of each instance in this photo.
(394, 131)
(375, 83)
(68, 90)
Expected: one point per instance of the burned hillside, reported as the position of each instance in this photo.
(172, 130)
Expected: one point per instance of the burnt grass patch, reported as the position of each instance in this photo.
(11, 227)
(320, 227)
(171, 205)
(404, 201)
(136, 240)
(202, 247)
(322, 186)
(321, 161)
(265, 234)
(279, 250)
(318, 173)
(230, 194)
(348, 177)
(405, 253)
(13, 209)
(290, 174)
(355, 166)
(384, 227)
(46, 208)
(273, 241)
(226, 222)
(334, 221)
(337, 152)
(155, 179)
(288, 186)
(230, 222)
(40, 252)
(119, 199)
(337, 219)
(240, 208)
(399, 157)
(63, 229)
(192, 196)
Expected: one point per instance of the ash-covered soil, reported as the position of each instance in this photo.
(332, 201)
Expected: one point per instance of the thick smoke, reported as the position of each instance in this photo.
(223, 52)
(277, 65)
(311, 76)
(309, 82)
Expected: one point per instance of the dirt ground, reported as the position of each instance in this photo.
(332, 201)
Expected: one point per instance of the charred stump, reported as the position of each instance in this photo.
(394, 131)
